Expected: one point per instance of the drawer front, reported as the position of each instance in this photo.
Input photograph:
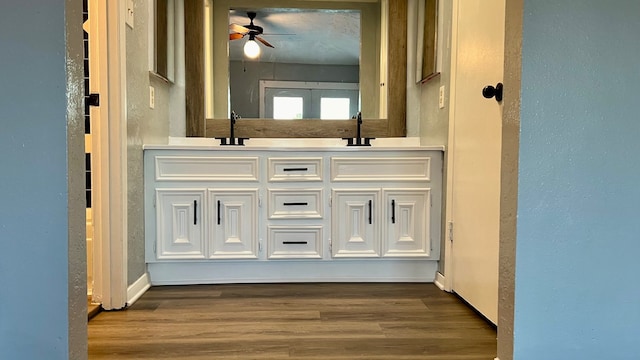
(294, 169)
(206, 168)
(295, 204)
(381, 169)
(295, 242)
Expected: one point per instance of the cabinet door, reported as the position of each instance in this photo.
(180, 224)
(355, 223)
(407, 223)
(233, 223)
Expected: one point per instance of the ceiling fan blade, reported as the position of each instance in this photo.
(263, 41)
(235, 36)
(239, 29)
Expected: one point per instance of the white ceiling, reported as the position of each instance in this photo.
(304, 36)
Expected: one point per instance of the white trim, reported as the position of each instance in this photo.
(448, 246)
(110, 213)
(100, 155)
(138, 288)
(278, 271)
(440, 281)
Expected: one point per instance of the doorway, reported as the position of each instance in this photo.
(91, 116)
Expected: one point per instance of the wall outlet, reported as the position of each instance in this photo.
(129, 15)
(441, 97)
(152, 97)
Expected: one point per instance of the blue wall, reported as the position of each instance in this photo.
(33, 181)
(577, 292)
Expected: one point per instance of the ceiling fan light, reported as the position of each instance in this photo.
(251, 49)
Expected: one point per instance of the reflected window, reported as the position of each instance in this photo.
(287, 108)
(341, 99)
(335, 108)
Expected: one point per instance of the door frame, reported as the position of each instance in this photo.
(446, 281)
(109, 157)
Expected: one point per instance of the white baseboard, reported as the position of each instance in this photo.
(439, 281)
(138, 288)
(184, 273)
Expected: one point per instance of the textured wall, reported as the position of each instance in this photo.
(434, 122)
(509, 176)
(577, 290)
(144, 125)
(42, 274)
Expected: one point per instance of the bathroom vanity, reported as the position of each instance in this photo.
(287, 210)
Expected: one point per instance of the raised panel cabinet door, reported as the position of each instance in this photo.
(233, 223)
(180, 224)
(355, 223)
(407, 223)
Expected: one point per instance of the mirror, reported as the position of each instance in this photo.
(319, 49)
(309, 62)
(387, 84)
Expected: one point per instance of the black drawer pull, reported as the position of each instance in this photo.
(218, 212)
(295, 169)
(295, 242)
(370, 210)
(393, 211)
(195, 212)
(295, 204)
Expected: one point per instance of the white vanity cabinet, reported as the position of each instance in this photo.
(406, 232)
(296, 221)
(381, 223)
(356, 223)
(220, 214)
(386, 209)
(233, 223)
(181, 231)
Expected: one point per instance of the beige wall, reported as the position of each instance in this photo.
(144, 125)
(434, 122)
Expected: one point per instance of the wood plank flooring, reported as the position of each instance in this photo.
(293, 321)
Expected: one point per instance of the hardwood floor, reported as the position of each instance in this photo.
(293, 321)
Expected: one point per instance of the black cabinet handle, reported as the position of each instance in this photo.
(393, 211)
(218, 212)
(295, 204)
(195, 212)
(370, 210)
(295, 169)
(294, 242)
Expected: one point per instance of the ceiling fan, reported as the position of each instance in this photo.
(251, 48)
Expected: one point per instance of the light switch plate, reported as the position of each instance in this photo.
(129, 18)
(152, 97)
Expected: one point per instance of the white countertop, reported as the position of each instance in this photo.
(305, 144)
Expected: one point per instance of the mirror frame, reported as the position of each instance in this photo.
(393, 126)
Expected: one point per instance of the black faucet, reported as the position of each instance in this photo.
(232, 139)
(358, 141)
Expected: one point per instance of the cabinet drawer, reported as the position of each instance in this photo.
(295, 204)
(295, 169)
(291, 242)
(381, 169)
(206, 168)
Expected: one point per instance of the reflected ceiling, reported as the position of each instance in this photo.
(304, 36)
